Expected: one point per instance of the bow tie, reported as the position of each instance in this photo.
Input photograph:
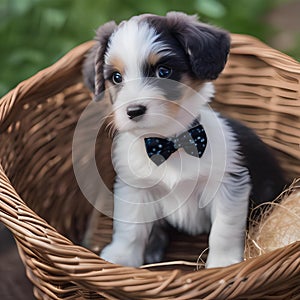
(193, 142)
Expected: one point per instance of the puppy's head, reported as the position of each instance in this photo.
(145, 62)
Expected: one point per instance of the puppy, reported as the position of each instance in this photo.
(175, 158)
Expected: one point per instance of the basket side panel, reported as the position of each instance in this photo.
(263, 94)
(38, 119)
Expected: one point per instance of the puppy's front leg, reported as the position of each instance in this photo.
(227, 236)
(133, 221)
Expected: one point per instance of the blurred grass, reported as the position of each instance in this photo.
(35, 33)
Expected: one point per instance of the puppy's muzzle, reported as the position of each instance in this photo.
(136, 112)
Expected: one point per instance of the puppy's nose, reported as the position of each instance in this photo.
(135, 112)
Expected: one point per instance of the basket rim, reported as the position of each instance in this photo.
(265, 53)
(30, 86)
(70, 61)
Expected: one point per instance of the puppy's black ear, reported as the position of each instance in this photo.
(206, 46)
(93, 65)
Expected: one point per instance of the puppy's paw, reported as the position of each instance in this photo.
(121, 256)
(154, 254)
(158, 242)
(222, 261)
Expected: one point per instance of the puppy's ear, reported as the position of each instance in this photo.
(206, 46)
(93, 65)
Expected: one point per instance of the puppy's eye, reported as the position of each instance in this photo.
(116, 78)
(163, 72)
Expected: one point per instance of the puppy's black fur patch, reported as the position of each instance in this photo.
(93, 64)
(205, 46)
(267, 178)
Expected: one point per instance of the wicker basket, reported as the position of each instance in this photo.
(259, 86)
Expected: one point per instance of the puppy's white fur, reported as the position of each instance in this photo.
(197, 195)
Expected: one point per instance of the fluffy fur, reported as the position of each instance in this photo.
(197, 195)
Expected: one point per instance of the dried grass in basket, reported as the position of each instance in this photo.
(259, 86)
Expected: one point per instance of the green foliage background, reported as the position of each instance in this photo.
(35, 33)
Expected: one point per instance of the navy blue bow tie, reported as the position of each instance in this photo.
(193, 142)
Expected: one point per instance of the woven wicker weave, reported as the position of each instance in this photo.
(259, 86)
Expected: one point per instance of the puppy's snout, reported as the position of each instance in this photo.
(135, 112)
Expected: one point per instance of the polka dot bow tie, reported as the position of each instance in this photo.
(193, 142)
